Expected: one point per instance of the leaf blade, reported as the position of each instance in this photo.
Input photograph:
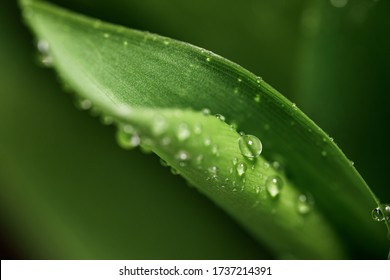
(162, 73)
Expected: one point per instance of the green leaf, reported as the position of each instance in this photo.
(156, 89)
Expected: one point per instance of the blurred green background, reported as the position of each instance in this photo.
(68, 191)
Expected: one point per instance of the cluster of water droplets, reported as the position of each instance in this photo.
(381, 213)
(45, 57)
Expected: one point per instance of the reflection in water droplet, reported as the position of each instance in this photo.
(274, 185)
(381, 213)
(250, 146)
(305, 204)
(241, 168)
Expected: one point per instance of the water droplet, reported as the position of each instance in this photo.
(206, 111)
(220, 117)
(274, 185)
(241, 168)
(294, 106)
(236, 90)
(43, 46)
(163, 162)
(182, 156)
(106, 35)
(166, 42)
(199, 160)
(213, 170)
(235, 161)
(127, 140)
(339, 3)
(267, 126)
(352, 163)
(208, 59)
(239, 80)
(257, 98)
(159, 125)
(381, 213)
(324, 153)
(107, 120)
(305, 204)
(259, 79)
(233, 126)
(85, 104)
(125, 43)
(174, 171)
(183, 132)
(277, 165)
(214, 150)
(165, 141)
(197, 128)
(250, 146)
(44, 51)
(207, 141)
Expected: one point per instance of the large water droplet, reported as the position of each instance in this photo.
(250, 146)
(274, 185)
(305, 204)
(183, 132)
(127, 140)
(241, 168)
(381, 213)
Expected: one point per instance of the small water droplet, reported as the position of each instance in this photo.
(305, 204)
(235, 161)
(199, 160)
(352, 163)
(250, 146)
(259, 79)
(207, 141)
(125, 43)
(174, 171)
(166, 42)
(236, 90)
(241, 168)
(274, 185)
(257, 98)
(267, 126)
(85, 104)
(107, 120)
(213, 170)
(294, 106)
(106, 35)
(183, 132)
(165, 141)
(206, 111)
(324, 153)
(197, 128)
(163, 162)
(239, 80)
(220, 117)
(214, 150)
(381, 213)
(339, 3)
(233, 126)
(159, 125)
